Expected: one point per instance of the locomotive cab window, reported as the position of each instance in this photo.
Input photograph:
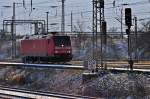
(62, 40)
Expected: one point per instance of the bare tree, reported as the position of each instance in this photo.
(144, 41)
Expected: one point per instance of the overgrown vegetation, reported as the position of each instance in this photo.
(120, 86)
(144, 41)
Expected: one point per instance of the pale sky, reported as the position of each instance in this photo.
(140, 8)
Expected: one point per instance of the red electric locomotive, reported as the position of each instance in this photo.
(52, 49)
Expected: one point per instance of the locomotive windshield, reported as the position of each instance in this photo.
(62, 40)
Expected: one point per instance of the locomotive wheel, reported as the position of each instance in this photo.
(39, 60)
(24, 60)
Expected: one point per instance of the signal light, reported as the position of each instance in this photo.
(104, 26)
(101, 3)
(127, 31)
(128, 16)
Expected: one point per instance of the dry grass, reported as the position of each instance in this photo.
(70, 82)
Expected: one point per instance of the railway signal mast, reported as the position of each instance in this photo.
(128, 22)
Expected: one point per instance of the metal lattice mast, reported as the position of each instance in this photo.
(98, 18)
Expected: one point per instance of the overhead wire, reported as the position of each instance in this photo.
(136, 3)
(142, 2)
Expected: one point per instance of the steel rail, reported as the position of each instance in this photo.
(76, 67)
(111, 66)
(7, 96)
(31, 94)
(54, 66)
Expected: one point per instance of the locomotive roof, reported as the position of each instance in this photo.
(40, 36)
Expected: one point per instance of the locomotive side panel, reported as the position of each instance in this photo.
(50, 47)
(37, 47)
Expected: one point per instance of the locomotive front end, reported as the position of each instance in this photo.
(63, 49)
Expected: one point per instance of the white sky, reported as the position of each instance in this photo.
(140, 8)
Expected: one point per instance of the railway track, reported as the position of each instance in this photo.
(120, 64)
(79, 64)
(14, 93)
(54, 66)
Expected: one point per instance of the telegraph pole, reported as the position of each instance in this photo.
(71, 22)
(13, 30)
(136, 51)
(63, 17)
(121, 23)
(13, 33)
(47, 20)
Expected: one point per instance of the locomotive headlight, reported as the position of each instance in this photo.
(68, 51)
(62, 45)
(56, 52)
